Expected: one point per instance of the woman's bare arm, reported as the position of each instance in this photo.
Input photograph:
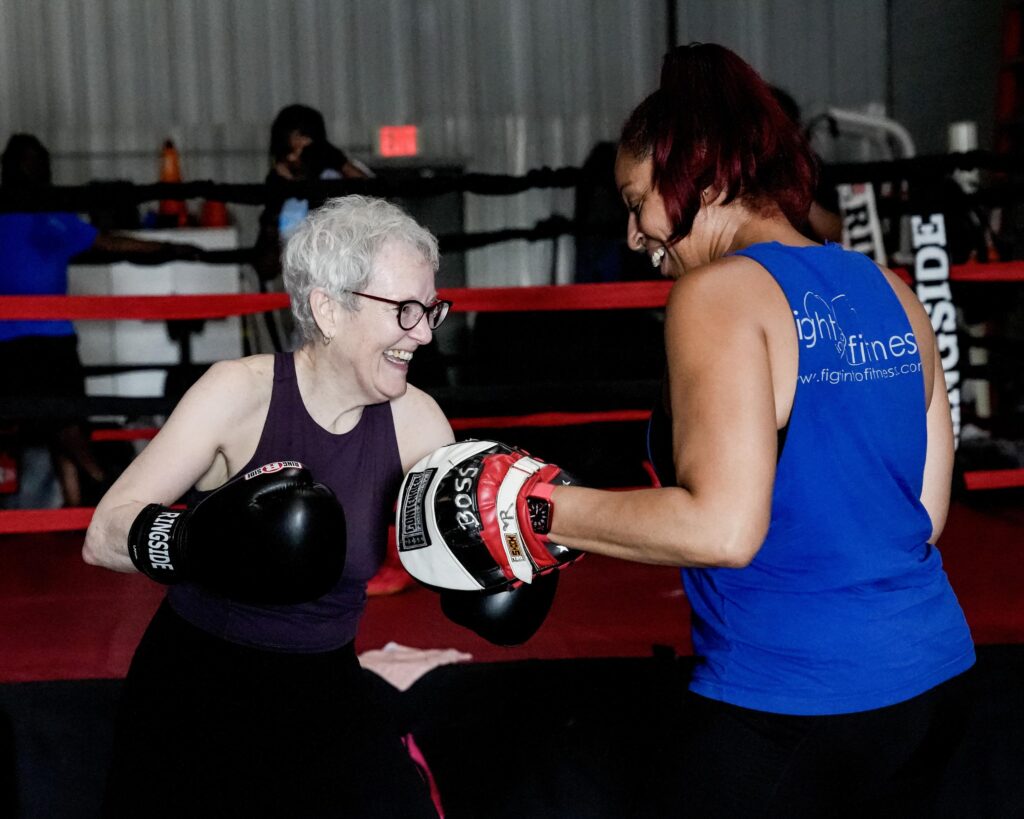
(724, 438)
(180, 455)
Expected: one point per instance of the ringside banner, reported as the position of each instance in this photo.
(931, 281)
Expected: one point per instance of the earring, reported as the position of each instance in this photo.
(326, 339)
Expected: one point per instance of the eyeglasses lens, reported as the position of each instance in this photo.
(411, 313)
(437, 314)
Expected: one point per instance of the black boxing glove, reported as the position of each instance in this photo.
(272, 536)
(507, 617)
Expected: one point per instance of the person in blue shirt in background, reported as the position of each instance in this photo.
(40, 358)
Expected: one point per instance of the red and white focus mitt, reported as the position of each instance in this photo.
(475, 516)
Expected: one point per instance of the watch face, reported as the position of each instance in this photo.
(540, 514)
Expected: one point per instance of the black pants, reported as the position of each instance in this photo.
(210, 728)
(41, 366)
(886, 762)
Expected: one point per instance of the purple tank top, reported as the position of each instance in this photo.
(364, 469)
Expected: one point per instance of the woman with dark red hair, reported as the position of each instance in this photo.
(808, 448)
(805, 453)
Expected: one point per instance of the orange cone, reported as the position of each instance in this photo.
(214, 214)
(172, 211)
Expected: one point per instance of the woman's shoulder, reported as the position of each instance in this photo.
(250, 369)
(222, 412)
(420, 425)
(730, 279)
(238, 382)
(415, 406)
(730, 295)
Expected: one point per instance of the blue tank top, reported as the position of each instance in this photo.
(846, 607)
(35, 249)
(364, 470)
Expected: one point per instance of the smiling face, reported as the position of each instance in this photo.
(649, 229)
(371, 344)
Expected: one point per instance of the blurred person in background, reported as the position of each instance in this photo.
(40, 358)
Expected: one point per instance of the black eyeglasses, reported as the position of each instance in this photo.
(411, 311)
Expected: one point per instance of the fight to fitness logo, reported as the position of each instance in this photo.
(834, 322)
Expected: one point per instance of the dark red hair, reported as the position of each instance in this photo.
(715, 123)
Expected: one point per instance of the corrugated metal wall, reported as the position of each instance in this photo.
(824, 52)
(945, 59)
(499, 86)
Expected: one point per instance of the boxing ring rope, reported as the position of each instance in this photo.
(31, 521)
(605, 296)
(645, 294)
(83, 197)
(994, 479)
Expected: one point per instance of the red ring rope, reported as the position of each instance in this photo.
(611, 296)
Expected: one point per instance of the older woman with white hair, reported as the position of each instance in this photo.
(245, 696)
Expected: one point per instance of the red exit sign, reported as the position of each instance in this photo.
(398, 140)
